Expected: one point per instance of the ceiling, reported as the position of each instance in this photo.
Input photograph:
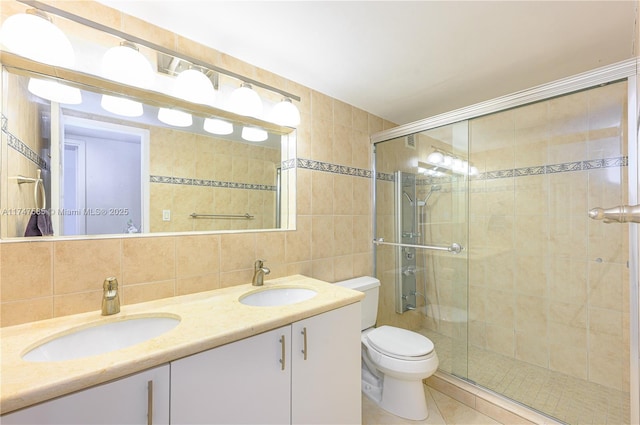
(405, 61)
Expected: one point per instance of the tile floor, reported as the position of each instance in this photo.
(568, 399)
(443, 410)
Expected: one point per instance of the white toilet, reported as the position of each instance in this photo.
(394, 360)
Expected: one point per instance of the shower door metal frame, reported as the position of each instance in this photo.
(628, 70)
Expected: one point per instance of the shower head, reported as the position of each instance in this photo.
(434, 188)
(408, 197)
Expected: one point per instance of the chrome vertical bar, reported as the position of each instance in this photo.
(397, 200)
(304, 348)
(633, 138)
(150, 403)
(284, 353)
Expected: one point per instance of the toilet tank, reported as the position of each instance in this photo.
(371, 287)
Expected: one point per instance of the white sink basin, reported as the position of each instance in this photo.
(100, 338)
(270, 297)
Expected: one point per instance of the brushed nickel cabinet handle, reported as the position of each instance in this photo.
(283, 357)
(304, 348)
(150, 403)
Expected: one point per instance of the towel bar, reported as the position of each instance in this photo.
(245, 216)
(38, 188)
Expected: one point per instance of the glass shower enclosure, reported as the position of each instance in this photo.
(484, 245)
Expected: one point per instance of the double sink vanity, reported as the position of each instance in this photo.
(285, 352)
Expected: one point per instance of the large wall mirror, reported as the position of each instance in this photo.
(96, 172)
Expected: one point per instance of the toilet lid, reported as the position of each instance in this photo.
(396, 342)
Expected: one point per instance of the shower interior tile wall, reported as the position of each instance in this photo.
(44, 279)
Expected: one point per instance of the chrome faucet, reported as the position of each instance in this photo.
(110, 298)
(259, 270)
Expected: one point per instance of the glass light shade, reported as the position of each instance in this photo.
(125, 64)
(245, 101)
(286, 113)
(54, 91)
(174, 117)
(121, 106)
(254, 134)
(194, 86)
(36, 38)
(457, 165)
(216, 126)
(447, 161)
(435, 158)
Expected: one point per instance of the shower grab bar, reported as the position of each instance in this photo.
(454, 247)
(246, 216)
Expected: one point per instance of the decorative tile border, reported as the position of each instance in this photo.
(288, 164)
(21, 147)
(566, 167)
(209, 183)
(311, 164)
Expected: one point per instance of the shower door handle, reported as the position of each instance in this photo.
(620, 214)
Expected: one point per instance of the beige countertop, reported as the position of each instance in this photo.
(208, 319)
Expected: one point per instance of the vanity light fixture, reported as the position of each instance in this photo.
(245, 101)
(33, 35)
(125, 64)
(286, 113)
(217, 126)
(254, 134)
(121, 106)
(54, 91)
(194, 86)
(191, 85)
(29, 42)
(440, 161)
(174, 117)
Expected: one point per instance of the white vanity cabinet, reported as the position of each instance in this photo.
(125, 401)
(276, 377)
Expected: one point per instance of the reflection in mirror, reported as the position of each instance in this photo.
(107, 174)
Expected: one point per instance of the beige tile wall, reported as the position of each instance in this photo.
(44, 279)
(175, 153)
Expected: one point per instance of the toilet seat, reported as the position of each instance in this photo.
(399, 343)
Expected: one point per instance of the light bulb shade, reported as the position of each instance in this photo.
(245, 101)
(121, 106)
(216, 126)
(254, 134)
(194, 86)
(36, 38)
(286, 113)
(174, 117)
(54, 91)
(435, 158)
(127, 65)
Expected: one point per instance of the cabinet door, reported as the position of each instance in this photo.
(124, 401)
(244, 382)
(326, 383)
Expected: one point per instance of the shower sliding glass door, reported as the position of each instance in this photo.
(421, 201)
(548, 304)
(536, 306)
